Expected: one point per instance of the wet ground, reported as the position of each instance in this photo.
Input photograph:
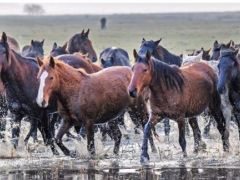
(37, 162)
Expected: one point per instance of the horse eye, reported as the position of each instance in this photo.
(145, 70)
(51, 78)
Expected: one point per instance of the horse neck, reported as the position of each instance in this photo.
(70, 80)
(18, 68)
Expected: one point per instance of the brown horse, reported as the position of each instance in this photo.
(81, 43)
(13, 44)
(177, 93)
(87, 99)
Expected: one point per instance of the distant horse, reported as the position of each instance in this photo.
(13, 44)
(19, 77)
(58, 50)
(205, 53)
(189, 59)
(114, 57)
(163, 55)
(173, 95)
(229, 79)
(34, 49)
(217, 47)
(103, 22)
(81, 43)
(83, 101)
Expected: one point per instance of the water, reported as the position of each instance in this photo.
(37, 162)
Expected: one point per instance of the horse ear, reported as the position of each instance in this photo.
(102, 61)
(148, 55)
(157, 42)
(228, 45)
(82, 33)
(51, 62)
(232, 43)
(135, 54)
(143, 40)
(40, 63)
(4, 38)
(86, 34)
(54, 45)
(208, 51)
(65, 46)
(32, 42)
(215, 44)
(42, 42)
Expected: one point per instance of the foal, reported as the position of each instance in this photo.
(173, 95)
(86, 99)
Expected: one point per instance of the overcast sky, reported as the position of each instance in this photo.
(108, 8)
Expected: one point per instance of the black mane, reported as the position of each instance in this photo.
(169, 75)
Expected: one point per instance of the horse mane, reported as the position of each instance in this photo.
(170, 75)
(167, 56)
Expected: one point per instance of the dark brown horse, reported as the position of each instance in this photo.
(177, 93)
(217, 47)
(82, 100)
(58, 50)
(13, 44)
(81, 43)
(33, 50)
(19, 77)
(205, 55)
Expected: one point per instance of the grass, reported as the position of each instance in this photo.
(180, 32)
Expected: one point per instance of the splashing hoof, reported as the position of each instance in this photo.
(202, 145)
(154, 149)
(55, 152)
(185, 154)
(144, 159)
(73, 154)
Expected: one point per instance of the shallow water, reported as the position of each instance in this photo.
(38, 162)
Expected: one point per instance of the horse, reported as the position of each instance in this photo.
(173, 95)
(58, 50)
(229, 79)
(191, 58)
(13, 44)
(114, 57)
(164, 55)
(34, 49)
(83, 101)
(205, 53)
(19, 77)
(217, 47)
(81, 43)
(103, 22)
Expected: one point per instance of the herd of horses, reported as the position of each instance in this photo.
(68, 86)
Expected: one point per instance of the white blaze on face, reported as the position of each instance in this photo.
(43, 77)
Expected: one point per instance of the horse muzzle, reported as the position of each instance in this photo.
(133, 93)
(221, 89)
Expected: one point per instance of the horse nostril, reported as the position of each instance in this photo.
(94, 59)
(133, 93)
(43, 103)
(221, 90)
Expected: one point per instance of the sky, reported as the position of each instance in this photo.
(118, 8)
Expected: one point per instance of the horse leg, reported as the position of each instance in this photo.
(16, 123)
(207, 128)
(196, 134)
(166, 126)
(216, 112)
(64, 128)
(146, 134)
(115, 134)
(90, 138)
(181, 138)
(237, 117)
(187, 127)
(33, 129)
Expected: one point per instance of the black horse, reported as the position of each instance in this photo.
(114, 57)
(229, 79)
(19, 77)
(34, 49)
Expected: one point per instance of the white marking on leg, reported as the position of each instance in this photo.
(43, 77)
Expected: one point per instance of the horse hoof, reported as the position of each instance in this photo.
(56, 153)
(154, 150)
(144, 159)
(203, 145)
(185, 154)
(73, 154)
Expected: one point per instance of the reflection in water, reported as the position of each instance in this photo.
(116, 173)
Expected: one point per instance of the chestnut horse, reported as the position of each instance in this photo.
(19, 77)
(82, 100)
(81, 43)
(173, 95)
